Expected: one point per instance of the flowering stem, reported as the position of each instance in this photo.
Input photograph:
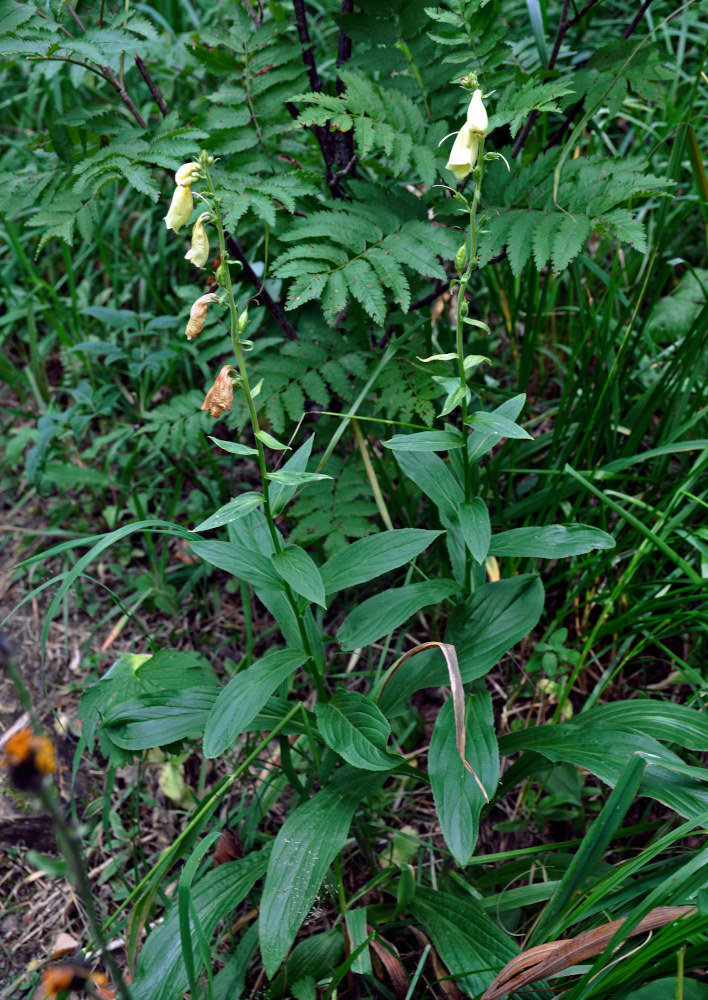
(470, 265)
(246, 388)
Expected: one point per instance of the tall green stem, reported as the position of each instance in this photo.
(470, 265)
(225, 281)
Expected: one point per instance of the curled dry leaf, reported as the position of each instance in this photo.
(221, 395)
(551, 958)
(197, 315)
(388, 956)
(458, 697)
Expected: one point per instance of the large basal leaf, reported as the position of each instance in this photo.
(604, 750)
(386, 611)
(158, 720)
(481, 629)
(306, 845)
(240, 561)
(555, 541)
(663, 720)
(299, 570)
(355, 728)
(458, 797)
(245, 695)
(373, 556)
(466, 939)
(161, 971)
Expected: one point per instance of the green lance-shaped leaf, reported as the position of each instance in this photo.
(554, 541)
(426, 441)
(476, 529)
(282, 492)
(232, 511)
(386, 611)
(242, 562)
(458, 797)
(298, 569)
(306, 845)
(370, 557)
(357, 730)
(161, 969)
(244, 696)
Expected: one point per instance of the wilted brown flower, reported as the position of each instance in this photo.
(221, 395)
(28, 758)
(197, 315)
(70, 976)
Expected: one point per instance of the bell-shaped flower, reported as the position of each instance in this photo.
(180, 208)
(187, 174)
(221, 395)
(198, 253)
(463, 154)
(197, 315)
(477, 120)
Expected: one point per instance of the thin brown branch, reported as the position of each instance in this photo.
(125, 97)
(533, 117)
(581, 14)
(262, 295)
(152, 86)
(307, 54)
(257, 18)
(75, 16)
(635, 20)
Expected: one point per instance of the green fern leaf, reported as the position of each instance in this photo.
(294, 401)
(391, 274)
(334, 299)
(570, 239)
(519, 241)
(304, 289)
(543, 236)
(366, 289)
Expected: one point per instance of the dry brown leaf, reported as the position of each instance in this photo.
(391, 963)
(554, 956)
(458, 697)
(65, 944)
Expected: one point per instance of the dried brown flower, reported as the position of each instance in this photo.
(197, 315)
(221, 395)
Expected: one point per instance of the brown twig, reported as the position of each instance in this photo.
(125, 97)
(533, 117)
(75, 16)
(635, 20)
(307, 54)
(257, 18)
(152, 87)
(262, 294)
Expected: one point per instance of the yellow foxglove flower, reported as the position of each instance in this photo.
(199, 251)
(187, 174)
(221, 395)
(180, 208)
(463, 154)
(197, 315)
(477, 120)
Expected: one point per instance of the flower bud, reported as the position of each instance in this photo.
(187, 174)
(221, 395)
(242, 323)
(199, 251)
(461, 258)
(197, 315)
(477, 120)
(180, 208)
(463, 154)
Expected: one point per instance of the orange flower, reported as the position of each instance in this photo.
(28, 758)
(221, 395)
